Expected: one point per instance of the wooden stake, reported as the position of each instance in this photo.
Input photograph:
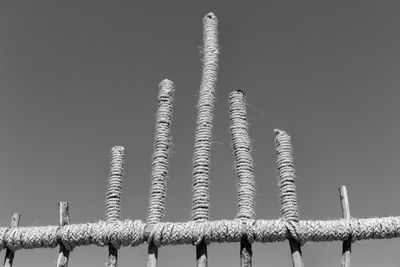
(9, 258)
(63, 255)
(152, 255)
(295, 250)
(112, 256)
(201, 254)
(346, 248)
(245, 252)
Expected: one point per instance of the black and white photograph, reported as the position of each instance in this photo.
(200, 133)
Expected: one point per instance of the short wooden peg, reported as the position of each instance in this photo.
(63, 254)
(152, 255)
(112, 256)
(246, 252)
(201, 254)
(346, 251)
(9, 258)
(295, 250)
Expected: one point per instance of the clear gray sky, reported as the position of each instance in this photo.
(78, 77)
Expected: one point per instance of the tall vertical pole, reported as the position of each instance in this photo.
(159, 171)
(244, 169)
(202, 146)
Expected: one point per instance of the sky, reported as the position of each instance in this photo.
(79, 77)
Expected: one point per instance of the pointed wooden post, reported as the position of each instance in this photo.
(287, 186)
(9, 258)
(346, 248)
(63, 255)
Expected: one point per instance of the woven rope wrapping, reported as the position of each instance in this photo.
(132, 233)
(244, 162)
(286, 176)
(114, 184)
(160, 155)
(201, 157)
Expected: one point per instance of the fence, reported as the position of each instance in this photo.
(200, 231)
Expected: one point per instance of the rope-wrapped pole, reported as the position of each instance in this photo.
(346, 246)
(202, 146)
(287, 186)
(114, 196)
(159, 172)
(244, 169)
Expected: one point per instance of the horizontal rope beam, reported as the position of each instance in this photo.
(133, 233)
